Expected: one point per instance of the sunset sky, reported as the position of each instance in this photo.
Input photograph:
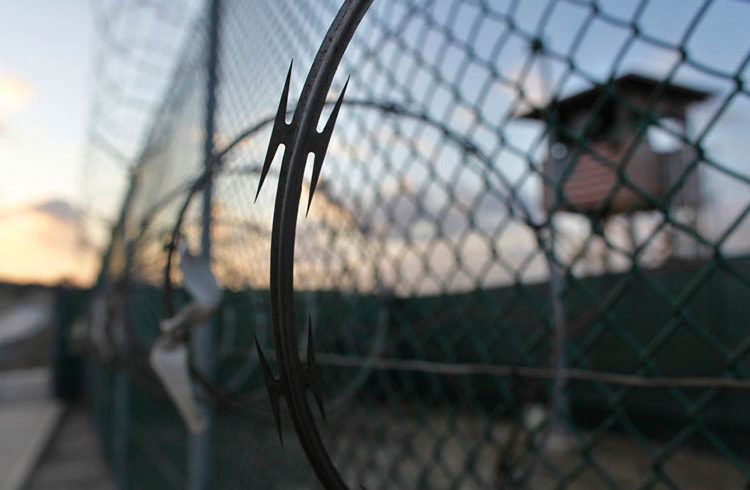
(44, 69)
(47, 89)
(45, 57)
(50, 69)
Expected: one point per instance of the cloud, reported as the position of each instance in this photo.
(41, 243)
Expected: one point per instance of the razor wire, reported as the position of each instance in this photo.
(475, 325)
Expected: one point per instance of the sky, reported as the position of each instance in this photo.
(718, 43)
(48, 87)
(45, 61)
(51, 79)
(45, 58)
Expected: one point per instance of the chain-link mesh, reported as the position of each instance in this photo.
(525, 263)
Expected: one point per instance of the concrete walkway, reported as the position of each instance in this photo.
(73, 460)
(28, 418)
(45, 445)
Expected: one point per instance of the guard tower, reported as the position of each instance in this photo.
(591, 135)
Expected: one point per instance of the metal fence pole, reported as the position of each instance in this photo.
(200, 446)
(121, 428)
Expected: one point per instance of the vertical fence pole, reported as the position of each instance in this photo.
(121, 428)
(200, 455)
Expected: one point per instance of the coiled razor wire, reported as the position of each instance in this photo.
(456, 330)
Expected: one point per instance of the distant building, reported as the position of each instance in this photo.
(591, 140)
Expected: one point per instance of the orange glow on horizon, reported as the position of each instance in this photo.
(39, 247)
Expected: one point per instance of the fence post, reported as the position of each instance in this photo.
(120, 424)
(200, 455)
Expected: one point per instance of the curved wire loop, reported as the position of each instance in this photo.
(294, 378)
(301, 138)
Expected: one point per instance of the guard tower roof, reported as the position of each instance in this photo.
(625, 84)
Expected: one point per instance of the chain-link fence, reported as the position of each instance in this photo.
(525, 262)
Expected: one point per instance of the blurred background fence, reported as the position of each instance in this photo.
(526, 263)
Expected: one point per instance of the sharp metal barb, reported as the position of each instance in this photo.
(281, 133)
(273, 386)
(319, 145)
(312, 374)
